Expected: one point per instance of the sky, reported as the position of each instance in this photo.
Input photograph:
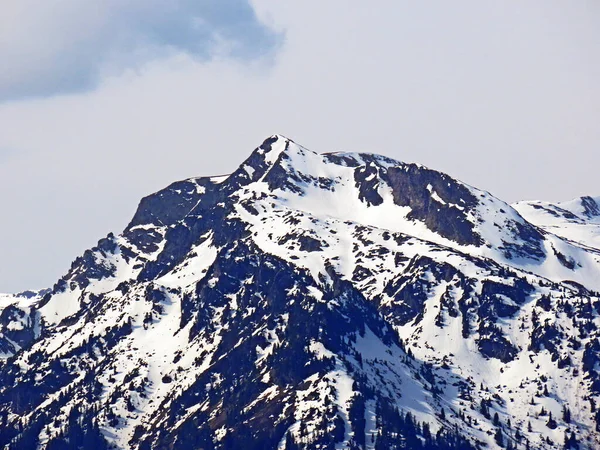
(103, 102)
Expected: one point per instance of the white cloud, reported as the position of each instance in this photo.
(61, 46)
(501, 95)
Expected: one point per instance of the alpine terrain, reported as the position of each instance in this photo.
(307, 301)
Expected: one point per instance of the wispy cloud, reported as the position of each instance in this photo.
(63, 46)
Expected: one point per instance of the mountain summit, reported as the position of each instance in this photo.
(307, 301)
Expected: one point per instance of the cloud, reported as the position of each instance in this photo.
(64, 46)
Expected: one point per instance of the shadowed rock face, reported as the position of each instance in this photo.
(590, 207)
(226, 317)
(529, 242)
(16, 329)
(413, 186)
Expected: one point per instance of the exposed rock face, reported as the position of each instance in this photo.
(17, 329)
(590, 207)
(444, 213)
(313, 301)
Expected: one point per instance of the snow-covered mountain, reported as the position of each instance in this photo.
(315, 301)
(577, 220)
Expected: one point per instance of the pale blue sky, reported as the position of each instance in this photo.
(107, 101)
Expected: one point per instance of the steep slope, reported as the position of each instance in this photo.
(311, 301)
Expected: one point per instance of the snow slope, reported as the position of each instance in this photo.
(577, 220)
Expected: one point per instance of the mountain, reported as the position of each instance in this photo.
(577, 220)
(306, 301)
